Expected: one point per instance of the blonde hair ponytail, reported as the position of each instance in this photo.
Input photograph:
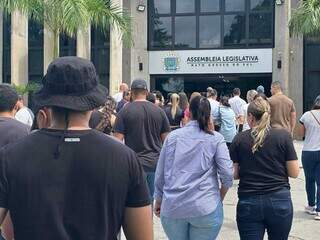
(260, 110)
(175, 104)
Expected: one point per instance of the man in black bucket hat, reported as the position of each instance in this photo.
(69, 181)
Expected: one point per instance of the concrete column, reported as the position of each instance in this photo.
(139, 51)
(281, 49)
(1, 47)
(19, 48)
(296, 59)
(47, 48)
(116, 50)
(84, 43)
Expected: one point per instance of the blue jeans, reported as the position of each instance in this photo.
(198, 228)
(150, 181)
(311, 166)
(272, 212)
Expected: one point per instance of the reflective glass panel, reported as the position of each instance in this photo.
(185, 6)
(185, 32)
(260, 28)
(210, 5)
(162, 6)
(235, 5)
(234, 29)
(210, 31)
(257, 5)
(162, 33)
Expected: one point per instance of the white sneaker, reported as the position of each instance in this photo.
(310, 210)
(317, 216)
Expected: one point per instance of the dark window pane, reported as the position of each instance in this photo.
(234, 29)
(100, 54)
(35, 34)
(185, 6)
(6, 64)
(162, 32)
(210, 33)
(67, 46)
(35, 51)
(260, 29)
(210, 5)
(235, 5)
(257, 5)
(162, 6)
(185, 32)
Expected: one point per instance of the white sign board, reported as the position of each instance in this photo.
(211, 61)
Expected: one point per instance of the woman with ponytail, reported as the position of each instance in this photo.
(264, 158)
(174, 112)
(193, 161)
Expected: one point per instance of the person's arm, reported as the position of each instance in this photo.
(138, 223)
(7, 228)
(292, 163)
(293, 119)
(235, 158)
(3, 214)
(293, 168)
(119, 136)
(223, 192)
(165, 129)
(236, 171)
(163, 136)
(119, 127)
(3, 187)
(224, 167)
(302, 130)
(159, 179)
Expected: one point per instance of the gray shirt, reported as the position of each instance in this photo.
(11, 130)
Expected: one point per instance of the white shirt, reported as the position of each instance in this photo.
(236, 104)
(25, 115)
(244, 112)
(118, 96)
(311, 142)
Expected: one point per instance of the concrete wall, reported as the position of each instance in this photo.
(281, 48)
(296, 47)
(84, 43)
(19, 48)
(138, 52)
(290, 52)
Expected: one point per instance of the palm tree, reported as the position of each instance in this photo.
(69, 16)
(305, 19)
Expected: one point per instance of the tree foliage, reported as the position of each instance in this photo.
(305, 19)
(69, 16)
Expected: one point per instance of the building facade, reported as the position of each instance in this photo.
(180, 45)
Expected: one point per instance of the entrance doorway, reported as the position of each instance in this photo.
(311, 72)
(224, 84)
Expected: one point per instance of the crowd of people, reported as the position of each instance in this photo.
(86, 164)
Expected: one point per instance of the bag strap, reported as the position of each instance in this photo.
(315, 118)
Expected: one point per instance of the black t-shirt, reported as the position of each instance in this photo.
(80, 195)
(264, 171)
(175, 122)
(142, 124)
(11, 130)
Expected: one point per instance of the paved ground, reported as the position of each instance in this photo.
(304, 227)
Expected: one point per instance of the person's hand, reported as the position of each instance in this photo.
(157, 208)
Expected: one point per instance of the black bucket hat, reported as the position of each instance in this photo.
(71, 83)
